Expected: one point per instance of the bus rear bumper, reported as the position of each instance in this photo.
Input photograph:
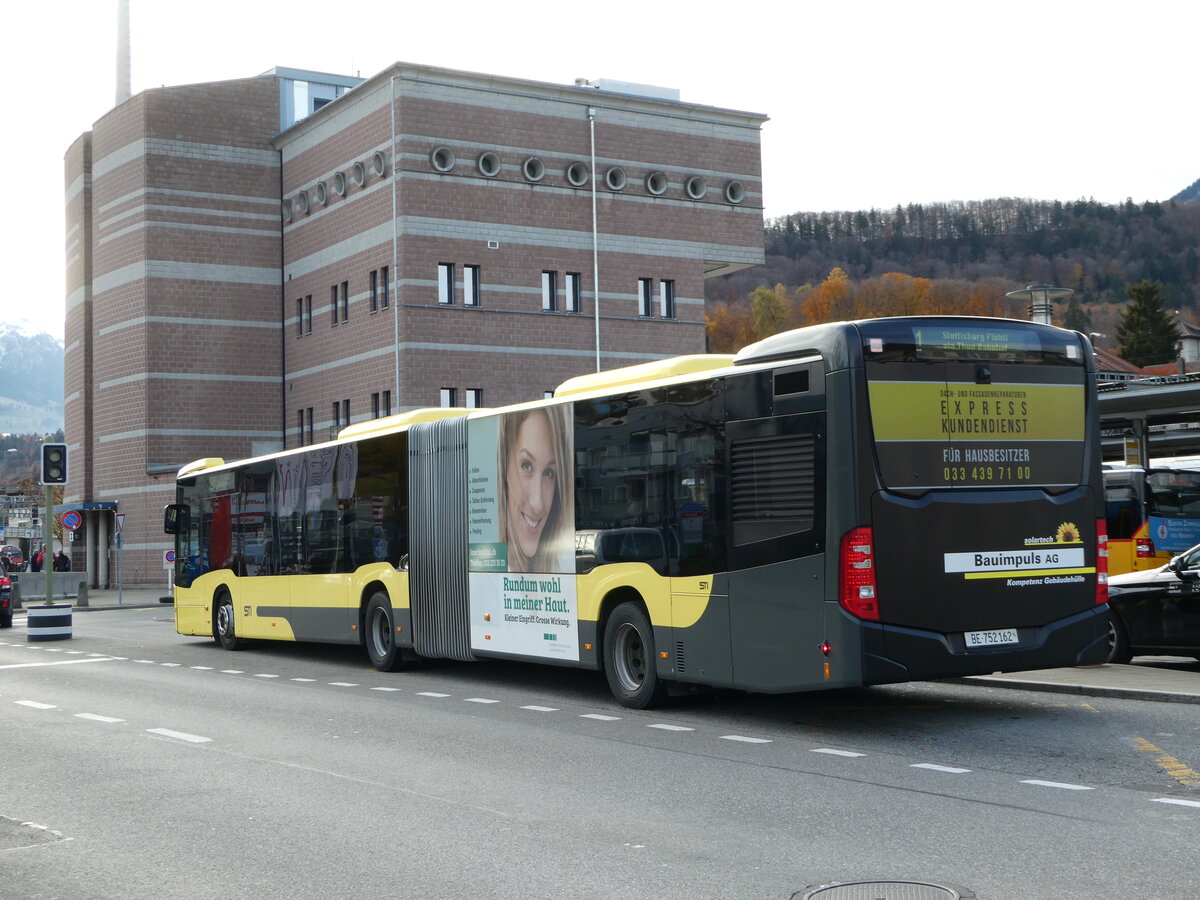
(892, 653)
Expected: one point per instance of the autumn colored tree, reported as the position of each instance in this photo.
(768, 311)
(1147, 332)
(830, 301)
(727, 328)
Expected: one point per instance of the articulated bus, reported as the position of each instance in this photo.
(1153, 513)
(848, 504)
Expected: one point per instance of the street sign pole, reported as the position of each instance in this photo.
(120, 517)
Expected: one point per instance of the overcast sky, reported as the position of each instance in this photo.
(870, 103)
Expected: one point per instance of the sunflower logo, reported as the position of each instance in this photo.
(1068, 533)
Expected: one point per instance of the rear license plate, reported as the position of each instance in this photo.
(991, 638)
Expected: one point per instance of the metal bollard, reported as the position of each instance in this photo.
(82, 598)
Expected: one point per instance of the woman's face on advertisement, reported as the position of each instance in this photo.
(532, 481)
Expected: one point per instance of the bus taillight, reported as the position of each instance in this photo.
(1145, 547)
(1102, 561)
(857, 574)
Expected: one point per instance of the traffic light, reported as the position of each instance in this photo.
(54, 463)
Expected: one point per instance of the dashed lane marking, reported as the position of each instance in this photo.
(541, 708)
(385, 689)
(741, 738)
(33, 704)
(1177, 802)
(92, 717)
(60, 662)
(341, 684)
(599, 718)
(479, 700)
(934, 767)
(832, 752)
(180, 735)
(1037, 782)
(431, 694)
(662, 726)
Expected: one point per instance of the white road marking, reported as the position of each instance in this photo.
(431, 694)
(540, 708)
(172, 665)
(600, 718)
(61, 662)
(264, 675)
(1195, 803)
(745, 740)
(479, 700)
(1056, 784)
(341, 684)
(59, 650)
(150, 661)
(180, 735)
(305, 680)
(936, 768)
(665, 727)
(202, 668)
(33, 704)
(384, 689)
(232, 672)
(92, 717)
(832, 752)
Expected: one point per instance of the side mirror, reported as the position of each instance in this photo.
(174, 516)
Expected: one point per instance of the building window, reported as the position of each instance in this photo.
(574, 290)
(300, 427)
(448, 397)
(308, 313)
(547, 395)
(299, 317)
(375, 405)
(387, 403)
(549, 291)
(666, 299)
(345, 301)
(333, 305)
(474, 398)
(373, 279)
(470, 285)
(446, 283)
(345, 412)
(384, 299)
(645, 296)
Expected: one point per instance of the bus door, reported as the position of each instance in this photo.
(984, 526)
(1129, 547)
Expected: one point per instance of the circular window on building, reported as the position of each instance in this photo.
(442, 159)
(656, 183)
(489, 164)
(379, 163)
(615, 179)
(339, 184)
(286, 208)
(359, 174)
(301, 202)
(534, 169)
(696, 187)
(735, 192)
(577, 174)
(320, 193)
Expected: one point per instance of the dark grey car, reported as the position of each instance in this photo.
(1157, 612)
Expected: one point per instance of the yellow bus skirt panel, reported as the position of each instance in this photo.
(674, 602)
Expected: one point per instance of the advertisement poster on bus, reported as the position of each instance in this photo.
(522, 534)
(1173, 535)
(956, 434)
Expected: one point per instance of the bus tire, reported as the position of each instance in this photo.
(379, 634)
(629, 658)
(1118, 640)
(223, 630)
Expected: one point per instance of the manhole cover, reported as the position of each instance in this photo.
(885, 890)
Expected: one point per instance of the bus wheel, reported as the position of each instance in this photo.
(1118, 641)
(629, 659)
(380, 634)
(223, 631)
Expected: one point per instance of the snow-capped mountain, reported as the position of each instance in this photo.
(31, 380)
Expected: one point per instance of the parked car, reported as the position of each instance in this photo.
(6, 607)
(1156, 612)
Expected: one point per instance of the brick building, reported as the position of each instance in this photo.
(252, 264)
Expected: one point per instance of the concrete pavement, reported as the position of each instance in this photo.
(1173, 679)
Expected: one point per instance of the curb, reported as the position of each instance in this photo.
(1085, 690)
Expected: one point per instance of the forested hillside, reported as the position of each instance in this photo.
(964, 256)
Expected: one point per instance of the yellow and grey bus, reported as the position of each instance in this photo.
(847, 504)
